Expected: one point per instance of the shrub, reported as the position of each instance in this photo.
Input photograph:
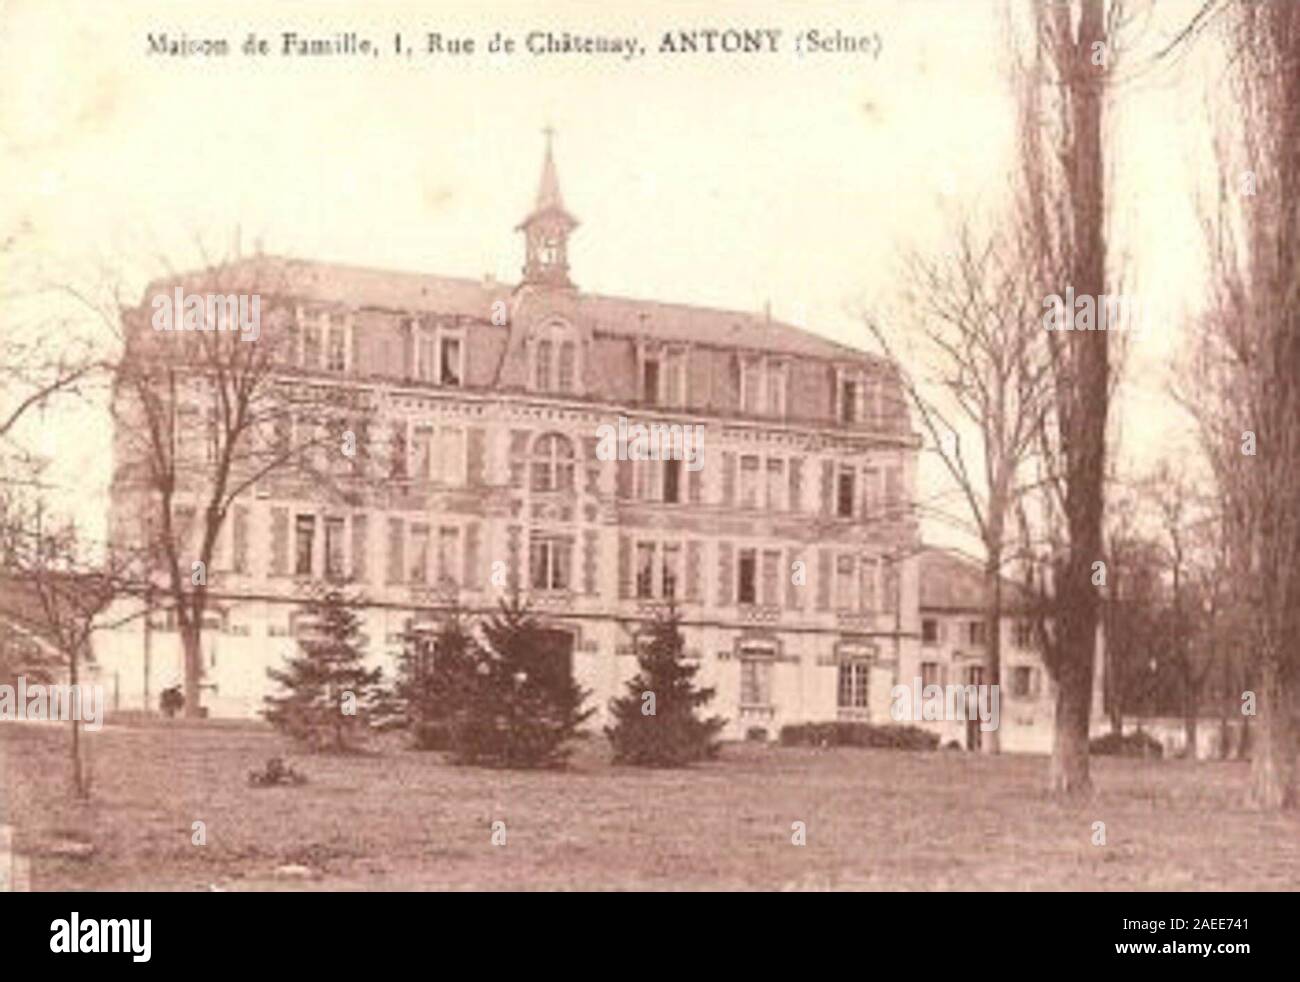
(275, 773)
(1135, 744)
(891, 736)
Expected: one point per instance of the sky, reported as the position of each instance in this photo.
(792, 180)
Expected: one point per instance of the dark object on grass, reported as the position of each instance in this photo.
(277, 773)
(844, 734)
(1135, 744)
(171, 700)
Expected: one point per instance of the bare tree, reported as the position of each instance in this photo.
(1247, 362)
(975, 326)
(205, 413)
(1064, 83)
(70, 593)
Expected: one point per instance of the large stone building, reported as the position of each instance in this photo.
(789, 543)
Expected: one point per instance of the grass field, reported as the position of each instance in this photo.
(403, 820)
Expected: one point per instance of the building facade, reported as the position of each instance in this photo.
(493, 431)
(953, 651)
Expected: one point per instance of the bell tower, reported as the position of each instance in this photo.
(546, 230)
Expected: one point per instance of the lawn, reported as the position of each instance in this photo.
(402, 820)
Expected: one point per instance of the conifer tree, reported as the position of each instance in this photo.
(329, 695)
(437, 684)
(656, 722)
(527, 706)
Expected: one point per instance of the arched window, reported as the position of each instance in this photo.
(552, 463)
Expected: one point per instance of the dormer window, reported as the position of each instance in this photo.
(438, 351)
(555, 359)
(650, 380)
(853, 400)
(762, 386)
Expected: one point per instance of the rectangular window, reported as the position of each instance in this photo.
(929, 674)
(751, 386)
(1020, 676)
(422, 453)
(418, 571)
(543, 367)
(776, 389)
(853, 684)
(428, 355)
(334, 547)
(975, 632)
(746, 581)
(449, 466)
(675, 379)
(776, 486)
(449, 358)
(304, 544)
(645, 569)
(1024, 634)
(549, 564)
(749, 482)
(756, 681)
(672, 481)
(672, 571)
(567, 366)
(866, 584)
(845, 594)
(844, 497)
(448, 554)
(310, 346)
(336, 347)
(650, 380)
(848, 401)
(771, 576)
(929, 631)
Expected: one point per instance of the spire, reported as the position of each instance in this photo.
(546, 230)
(548, 191)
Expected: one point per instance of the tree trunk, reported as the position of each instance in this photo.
(990, 742)
(78, 779)
(1272, 761)
(192, 643)
(1069, 771)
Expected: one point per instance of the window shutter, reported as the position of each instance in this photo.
(696, 485)
(475, 455)
(590, 560)
(518, 457)
(355, 358)
(828, 487)
(824, 579)
(472, 533)
(726, 574)
(239, 535)
(728, 479)
(624, 567)
(623, 479)
(395, 561)
(870, 505)
(694, 591)
(360, 544)
(796, 484)
(279, 541)
(793, 591)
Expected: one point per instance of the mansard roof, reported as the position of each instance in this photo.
(954, 581)
(419, 293)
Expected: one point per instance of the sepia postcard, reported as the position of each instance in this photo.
(642, 447)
